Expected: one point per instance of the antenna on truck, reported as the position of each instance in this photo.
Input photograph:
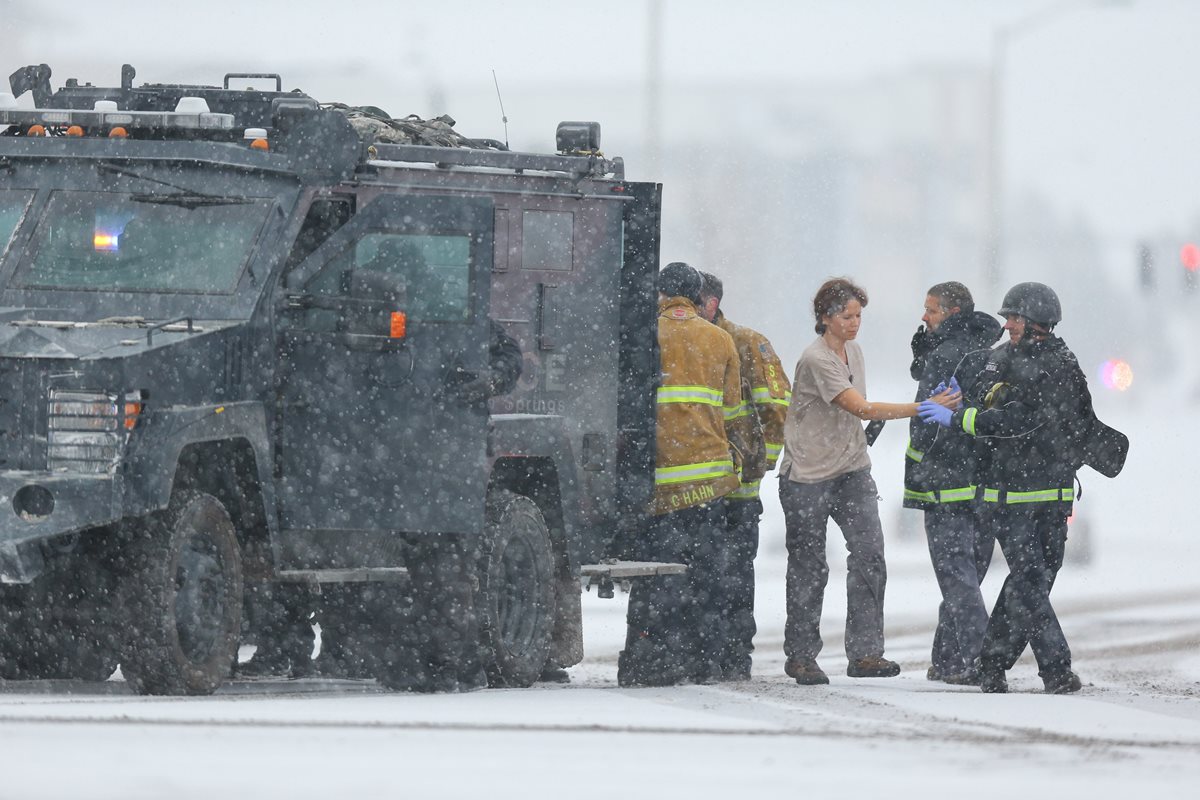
(503, 116)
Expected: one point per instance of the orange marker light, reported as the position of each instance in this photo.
(132, 410)
(74, 130)
(118, 133)
(259, 144)
(399, 324)
(36, 130)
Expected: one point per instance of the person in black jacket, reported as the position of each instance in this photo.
(939, 477)
(442, 570)
(1031, 420)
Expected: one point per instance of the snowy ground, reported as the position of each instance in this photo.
(1132, 614)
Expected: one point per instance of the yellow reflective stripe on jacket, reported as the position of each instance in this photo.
(693, 472)
(1038, 496)
(747, 491)
(968, 422)
(774, 449)
(703, 395)
(915, 455)
(736, 412)
(942, 495)
(762, 396)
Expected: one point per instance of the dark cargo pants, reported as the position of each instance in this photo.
(1033, 541)
(740, 548)
(852, 501)
(675, 628)
(437, 646)
(960, 548)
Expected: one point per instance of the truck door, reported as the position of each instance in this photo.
(375, 328)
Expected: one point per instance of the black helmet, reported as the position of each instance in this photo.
(678, 279)
(1036, 302)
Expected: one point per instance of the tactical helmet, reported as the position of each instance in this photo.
(678, 279)
(1036, 302)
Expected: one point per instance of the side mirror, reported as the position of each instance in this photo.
(376, 305)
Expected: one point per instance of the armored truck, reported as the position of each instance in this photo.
(235, 324)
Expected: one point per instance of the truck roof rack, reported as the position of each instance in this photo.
(220, 113)
(590, 166)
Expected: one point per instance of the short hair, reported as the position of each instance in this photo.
(952, 293)
(680, 279)
(712, 287)
(833, 296)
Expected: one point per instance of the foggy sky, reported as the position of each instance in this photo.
(1101, 110)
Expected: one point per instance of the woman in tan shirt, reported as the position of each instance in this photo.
(826, 472)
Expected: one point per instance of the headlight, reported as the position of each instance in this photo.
(88, 430)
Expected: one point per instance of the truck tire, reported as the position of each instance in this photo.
(183, 598)
(516, 600)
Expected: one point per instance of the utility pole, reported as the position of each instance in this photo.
(653, 88)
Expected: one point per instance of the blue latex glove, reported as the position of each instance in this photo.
(930, 411)
(954, 387)
(941, 387)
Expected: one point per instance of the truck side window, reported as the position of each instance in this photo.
(324, 217)
(547, 240)
(435, 269)
(12, 207)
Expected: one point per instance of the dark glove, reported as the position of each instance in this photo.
(754, 470)
(930, 411)
(470, 387)
(920, 342)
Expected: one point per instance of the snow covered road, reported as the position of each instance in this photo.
(1135, 726)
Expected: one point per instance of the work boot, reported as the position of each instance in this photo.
(873, 667)
(992, 681)
(553, 674)
(805, 671)
(934, 674)
(265, 664)
(301, 668)
(642, 664)
(707, 673)
(739, 673)
(736, 668)
(1062, 682)
(968, 677)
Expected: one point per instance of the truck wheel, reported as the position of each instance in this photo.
(183, 598)
(516, 600)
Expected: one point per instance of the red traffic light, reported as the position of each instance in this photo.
(1189, 256)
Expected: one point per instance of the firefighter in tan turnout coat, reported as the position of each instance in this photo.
(765, 392)
(675, 623)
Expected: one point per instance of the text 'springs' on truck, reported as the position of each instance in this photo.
(235, 329)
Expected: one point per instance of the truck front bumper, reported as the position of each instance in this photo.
(36, 507)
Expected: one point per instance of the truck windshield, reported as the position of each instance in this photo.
(103, 241)
(12, 206)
